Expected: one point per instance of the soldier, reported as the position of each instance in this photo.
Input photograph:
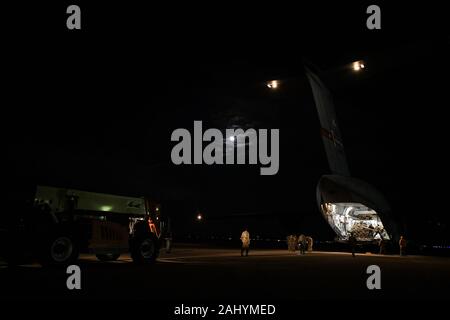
(382, 245)
(245, 238)
(289, 242)
(292, 242)
(168, 242)
(352, 242)
(309, 241)
(302, 243)
(402, 245)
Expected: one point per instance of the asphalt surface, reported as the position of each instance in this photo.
(211, 275)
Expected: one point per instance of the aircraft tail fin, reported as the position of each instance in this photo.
(329, 130)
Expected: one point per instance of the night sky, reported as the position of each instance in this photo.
(95, 109)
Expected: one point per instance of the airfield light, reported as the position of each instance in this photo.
(358, 65)
(273, 84)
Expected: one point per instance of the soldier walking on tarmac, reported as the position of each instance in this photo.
(352, 241)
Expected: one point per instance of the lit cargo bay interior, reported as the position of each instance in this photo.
(356, 218)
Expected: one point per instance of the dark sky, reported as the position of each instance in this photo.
(95, 109)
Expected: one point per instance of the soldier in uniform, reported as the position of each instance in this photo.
(245, 238)
(302, 243)
(309, 241)
(382, 245)
(352, 241)
(292, 242)
(402, 245)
